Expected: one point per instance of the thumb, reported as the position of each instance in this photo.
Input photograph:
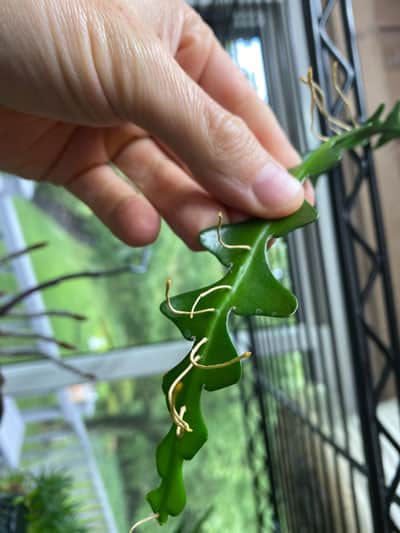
(222, 153)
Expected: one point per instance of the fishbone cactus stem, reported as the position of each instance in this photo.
(247, 289)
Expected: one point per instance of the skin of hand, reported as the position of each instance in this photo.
(142, 84)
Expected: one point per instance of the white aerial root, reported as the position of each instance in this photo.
(177, 384)
(193, 311)
(236, 359)
(179, 430)
(194, 358)
(224, 244)
(341, 94)
(206, 293)
(318, 100)
(178, 311)
(175, 387)
(143, 521)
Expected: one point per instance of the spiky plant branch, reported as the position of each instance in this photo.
(248, 288)
(7, 312)
(50, 313)
(61, 363)
(18, 298)
(14, 255)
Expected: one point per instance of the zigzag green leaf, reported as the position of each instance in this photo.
(254, 291)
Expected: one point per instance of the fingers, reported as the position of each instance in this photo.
(186, 207)
(120, 71)
(126, 212)
(205, 60)
(222, 153)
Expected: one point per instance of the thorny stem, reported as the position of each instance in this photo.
(35, 336)
(18, 253)
(143, 521)
(15, 300)
(54, 313)
(52, 283)
(224, 244)
(57, 361)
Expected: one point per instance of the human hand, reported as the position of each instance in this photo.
(145, 85)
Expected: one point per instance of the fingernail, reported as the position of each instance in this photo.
(275, 187)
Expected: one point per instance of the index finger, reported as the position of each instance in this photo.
(205, 60)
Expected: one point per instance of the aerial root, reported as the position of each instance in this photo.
(224, 244)
(178, 311)
(236, 359)
(179, 430)
(143, 521)
(177, 384)
(318, 101)
(341, 94)
(206, 293)
(194, 358)
(193, 310)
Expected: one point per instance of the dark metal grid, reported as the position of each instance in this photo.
(308, 485)
(361, 293)
(255, 420)
(306, 462)
(313, 437)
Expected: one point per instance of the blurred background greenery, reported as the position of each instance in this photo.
(130, 415)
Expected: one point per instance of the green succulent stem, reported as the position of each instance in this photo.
(254, 291)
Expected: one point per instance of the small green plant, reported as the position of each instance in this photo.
(47, 501)
(248, 288)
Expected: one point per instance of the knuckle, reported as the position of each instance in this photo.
(199, 28)
(228, 135)
(194, 245)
